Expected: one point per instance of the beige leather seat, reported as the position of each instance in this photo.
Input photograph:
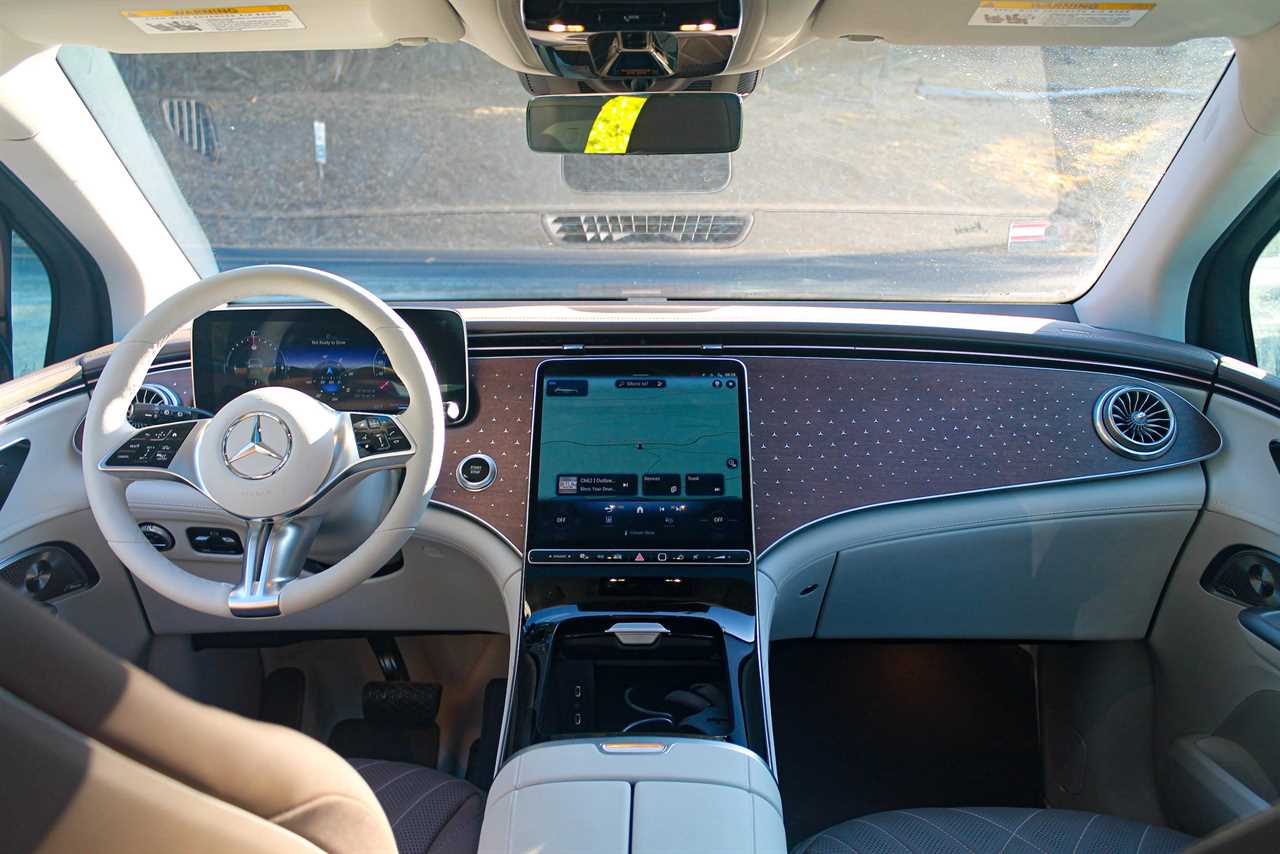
(96, 755)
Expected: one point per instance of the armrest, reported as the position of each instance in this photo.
(634, 796)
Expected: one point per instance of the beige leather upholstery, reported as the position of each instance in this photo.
(96, 755)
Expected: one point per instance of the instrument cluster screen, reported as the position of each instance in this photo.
(640, 461)
(324, 353)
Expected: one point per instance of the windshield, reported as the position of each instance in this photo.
(866, 171)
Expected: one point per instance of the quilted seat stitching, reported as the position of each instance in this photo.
(1082, 833)
(939, 829)
(886, 833)
(395, 779)
(418, 800)
(1019, 827)
(835, 839)
(1006, 830)
(1142, 839)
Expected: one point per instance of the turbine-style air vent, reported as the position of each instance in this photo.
(152, 394)
(1135, 422)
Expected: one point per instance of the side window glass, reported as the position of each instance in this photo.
(1264, 306)
(31, 303)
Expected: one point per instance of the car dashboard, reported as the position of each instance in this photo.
(693, 479)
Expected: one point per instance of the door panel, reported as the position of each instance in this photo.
(1217, 683)
(47, 504)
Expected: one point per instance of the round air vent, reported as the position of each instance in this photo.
(1135, 422)
(156, 395)
(151, 396)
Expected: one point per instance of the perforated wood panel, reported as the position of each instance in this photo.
(830, 435)
(499, 425)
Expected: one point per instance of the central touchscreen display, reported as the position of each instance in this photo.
(640, 461)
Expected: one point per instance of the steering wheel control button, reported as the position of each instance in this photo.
(153, 447)
(477, 472)
(378, 434)
(157, 535)
(256, 445)
(214, 541)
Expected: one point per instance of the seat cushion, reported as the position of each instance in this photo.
(430, 811)
(993, 830)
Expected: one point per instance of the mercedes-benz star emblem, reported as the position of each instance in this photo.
(256, 445)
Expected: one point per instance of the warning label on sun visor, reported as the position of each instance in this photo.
(1029, 13)
(217, 19)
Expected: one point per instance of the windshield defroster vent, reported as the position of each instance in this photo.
(705, 230)
(1135, 422)
(192, 122)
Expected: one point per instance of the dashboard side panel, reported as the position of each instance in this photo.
(1084, 560)
(500, 425)
(1041, 580)
(832, 435)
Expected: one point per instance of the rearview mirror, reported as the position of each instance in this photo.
(666, 123)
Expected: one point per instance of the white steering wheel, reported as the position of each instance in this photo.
(266, 457)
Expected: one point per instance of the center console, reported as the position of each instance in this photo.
(639, 575)
(627, 796)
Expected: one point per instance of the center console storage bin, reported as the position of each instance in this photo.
(634, 796)
(676, 683)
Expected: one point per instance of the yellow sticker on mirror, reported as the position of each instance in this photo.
(611, 131)
(215, 19)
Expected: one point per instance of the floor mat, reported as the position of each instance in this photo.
(861, 727)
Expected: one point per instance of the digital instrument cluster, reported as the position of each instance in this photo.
(324, 353)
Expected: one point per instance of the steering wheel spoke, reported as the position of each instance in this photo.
(163, 452)
(372, 442)
(274, 554)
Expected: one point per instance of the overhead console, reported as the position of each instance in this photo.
(640, 564)
(322, 352)
(642, 39)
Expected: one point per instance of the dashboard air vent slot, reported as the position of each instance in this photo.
(192, 122)
(703, 230)
(1135, 422)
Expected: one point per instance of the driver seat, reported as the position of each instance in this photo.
(96, 755)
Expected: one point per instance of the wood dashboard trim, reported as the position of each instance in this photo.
(833, 436)
(500, 425)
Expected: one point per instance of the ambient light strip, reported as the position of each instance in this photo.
(611, 131)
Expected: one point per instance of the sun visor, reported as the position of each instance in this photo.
(1036, 22)
(128, 26)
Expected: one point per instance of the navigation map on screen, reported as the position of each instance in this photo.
(647, 459)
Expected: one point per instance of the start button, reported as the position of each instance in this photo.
(477, 472)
